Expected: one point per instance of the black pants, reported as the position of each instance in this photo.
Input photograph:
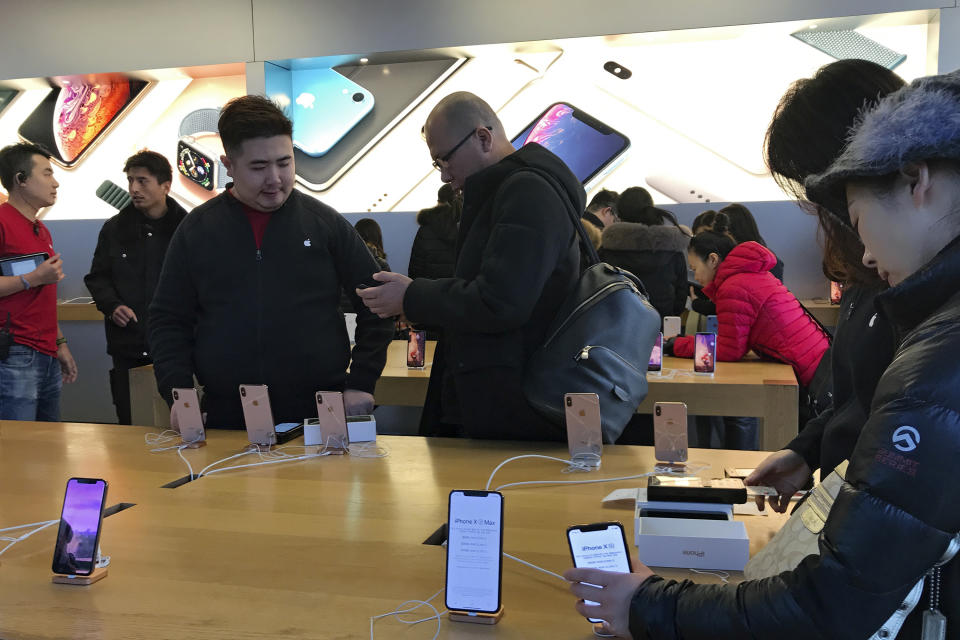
(120, 385)
(491, 404)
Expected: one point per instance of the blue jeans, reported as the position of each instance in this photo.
(30, 385)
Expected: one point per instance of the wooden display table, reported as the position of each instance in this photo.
(71, 311)
(307, 549)
(823, 311)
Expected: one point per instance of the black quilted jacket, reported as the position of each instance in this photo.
(894, 516)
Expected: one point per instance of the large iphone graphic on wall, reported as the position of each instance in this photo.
(72, 118)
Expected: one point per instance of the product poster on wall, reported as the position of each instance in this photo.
(682, 113)
(91, 124)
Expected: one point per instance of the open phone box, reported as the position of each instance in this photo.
(690, 535)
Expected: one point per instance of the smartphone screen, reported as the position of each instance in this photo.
(70, 119)
(79, 534)
(474, 551)
(713, 325)
(705, 353)
(599, 546)
(656, 354)
(836, 292)
(584, 426)
(416, 349)
(584, 143)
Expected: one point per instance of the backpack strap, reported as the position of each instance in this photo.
(585, 245)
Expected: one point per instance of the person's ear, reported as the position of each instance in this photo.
(485, 136)
(228, 165)
(713, 260)
(918, 178)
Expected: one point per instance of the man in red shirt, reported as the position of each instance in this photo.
(34, 357)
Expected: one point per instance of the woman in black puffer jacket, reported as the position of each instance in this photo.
(894, 525)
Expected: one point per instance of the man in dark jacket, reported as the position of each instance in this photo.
(126, 266)
(249, 290)
(518, 258)
(602, 210)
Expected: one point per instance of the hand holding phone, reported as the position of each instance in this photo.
(78, 538)
(50, 271)
(599, 546)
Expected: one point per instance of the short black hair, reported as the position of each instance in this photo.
(249, 117)
(603, 199)
(155, 163)
(16, 159)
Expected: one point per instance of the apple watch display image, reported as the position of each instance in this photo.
(196, 161)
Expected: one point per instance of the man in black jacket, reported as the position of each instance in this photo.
(517, 259)
(249, 291)
(126, 266)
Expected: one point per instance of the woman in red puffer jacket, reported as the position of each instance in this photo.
(754, 309)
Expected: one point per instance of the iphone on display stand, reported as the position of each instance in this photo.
(185, 417)
(705, 354)
(656, 356)
(71, 119)
(257, 414)
(836, 292)
(474, 556)
(78, 539)
(332, 419)
(599, 546)
(416, 349)
(671, 327)
(670, 432)
(584, 432)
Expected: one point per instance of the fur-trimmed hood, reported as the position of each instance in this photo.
(633, 236)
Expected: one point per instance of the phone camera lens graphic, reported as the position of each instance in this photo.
(176, 396)
(243, 392)
(569, 402)
(358, 97)
(658, 410)
(618, 70)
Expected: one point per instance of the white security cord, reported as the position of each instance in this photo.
(13, 541)
(400, 610)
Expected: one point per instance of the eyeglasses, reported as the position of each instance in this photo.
(438, 163)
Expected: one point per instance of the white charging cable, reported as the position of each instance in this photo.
(12, 541)
(400, 610)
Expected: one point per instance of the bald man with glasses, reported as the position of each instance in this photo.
(517, 259)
